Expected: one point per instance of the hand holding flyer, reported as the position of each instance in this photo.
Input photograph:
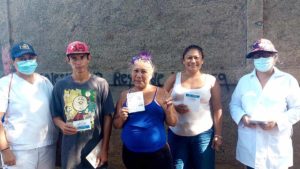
(262, 115)
(135, 102)
(92, 156)
(192, 100)
(82, 125)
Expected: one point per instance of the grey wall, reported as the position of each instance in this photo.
(116, 30)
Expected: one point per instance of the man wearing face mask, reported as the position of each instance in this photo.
(27, 135)
(265, 104)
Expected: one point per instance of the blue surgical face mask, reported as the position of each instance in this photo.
(263, 64)
(27, 67)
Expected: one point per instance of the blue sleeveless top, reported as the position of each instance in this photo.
(144, 131)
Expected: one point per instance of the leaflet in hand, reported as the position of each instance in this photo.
(135, 102)
(256, 118)
(92, 156)
(82, 125)
(262, 115)
(192, 100)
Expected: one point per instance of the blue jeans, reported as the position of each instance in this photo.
(249, 167)
(193, 151)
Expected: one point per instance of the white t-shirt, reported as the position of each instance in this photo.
(199, 118)
(28, 123)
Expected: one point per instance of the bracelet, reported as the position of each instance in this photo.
(5, 149)
(218, 136)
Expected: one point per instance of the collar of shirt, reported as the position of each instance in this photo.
(277, 73)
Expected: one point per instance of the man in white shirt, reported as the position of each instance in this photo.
(28, 135)
(265, 105)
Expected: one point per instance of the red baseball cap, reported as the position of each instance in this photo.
(77, 47)
(261, 45)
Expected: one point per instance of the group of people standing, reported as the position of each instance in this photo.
(264, 105)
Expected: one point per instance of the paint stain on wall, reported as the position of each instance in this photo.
(6, 60)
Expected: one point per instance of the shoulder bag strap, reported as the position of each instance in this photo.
(8, 93)
(11, 77)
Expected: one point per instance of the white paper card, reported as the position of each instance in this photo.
(92, 156)
(263, 118)
(263, 115)
(255, 118)
(192, 100)
(135, 102)
(82, 125)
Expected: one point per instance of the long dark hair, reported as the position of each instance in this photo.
(187, 49)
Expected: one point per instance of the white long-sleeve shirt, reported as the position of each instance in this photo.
(279, 100)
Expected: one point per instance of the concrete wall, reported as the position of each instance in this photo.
(116, 30)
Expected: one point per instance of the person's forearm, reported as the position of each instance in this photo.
(3, 141)
(58, 122)
(106, 132)
(118, 122)
(218, 117)
(171, 116)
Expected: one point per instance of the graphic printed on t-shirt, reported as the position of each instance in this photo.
(80, 108)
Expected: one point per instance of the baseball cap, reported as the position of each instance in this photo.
(77, 47)
(21, 49)
(261, 45)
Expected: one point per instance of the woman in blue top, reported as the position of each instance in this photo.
(143, 134)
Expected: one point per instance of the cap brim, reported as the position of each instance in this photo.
(250, 55)
(78, 53)
(24, 53)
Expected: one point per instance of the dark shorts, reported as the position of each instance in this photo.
(160, 159)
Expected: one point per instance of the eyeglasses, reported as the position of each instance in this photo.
(26, 57)
(262, 55)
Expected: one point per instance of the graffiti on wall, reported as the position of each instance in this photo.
(118, 78)
(124, 79)
(54, 77)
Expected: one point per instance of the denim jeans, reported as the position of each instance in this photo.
(249, 167)
(192, 151)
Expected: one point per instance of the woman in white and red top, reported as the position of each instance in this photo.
(198, 131)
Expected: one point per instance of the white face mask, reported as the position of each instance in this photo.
(264, 64)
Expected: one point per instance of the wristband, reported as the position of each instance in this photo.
(218, 136)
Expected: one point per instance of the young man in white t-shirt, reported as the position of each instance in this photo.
(27, 135)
